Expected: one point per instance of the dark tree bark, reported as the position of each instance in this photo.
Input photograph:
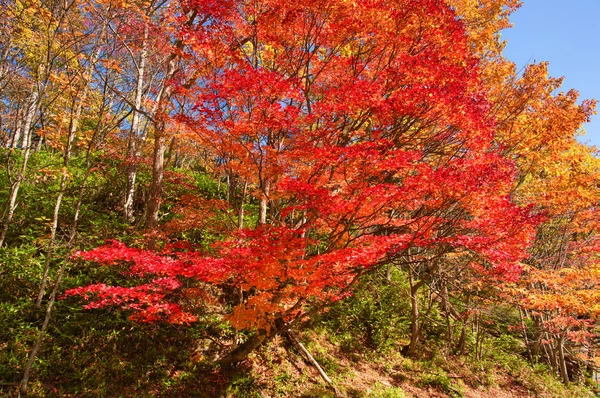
(242, 351)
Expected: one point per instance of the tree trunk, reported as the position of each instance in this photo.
(155, 194)
(135, 131)
(415, 327)
(27, 133)
(240, 353)
(462, 341)
(300, 347)
(160, 114)
(18, 128)
(562, 363)
(14, 188)
(241, 206)
(172, 149)
(264, 201)
(446, 308)
(525, 337)
(158, 162)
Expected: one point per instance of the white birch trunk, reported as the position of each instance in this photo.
(14, 188)
(134, 134)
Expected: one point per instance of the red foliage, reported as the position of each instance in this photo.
(365, 126)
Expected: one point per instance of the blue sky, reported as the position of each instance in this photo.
(567, 35)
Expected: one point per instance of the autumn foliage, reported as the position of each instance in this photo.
(341, 138)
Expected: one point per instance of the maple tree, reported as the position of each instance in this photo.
(362, 131)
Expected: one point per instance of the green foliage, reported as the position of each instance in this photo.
(382, 391)
(208, 187)
(242, 386)
(504, 359)
(20, 272)
(375, 316)
(318, 392)
(439, 380)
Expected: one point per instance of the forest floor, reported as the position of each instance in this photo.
(278, 371)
